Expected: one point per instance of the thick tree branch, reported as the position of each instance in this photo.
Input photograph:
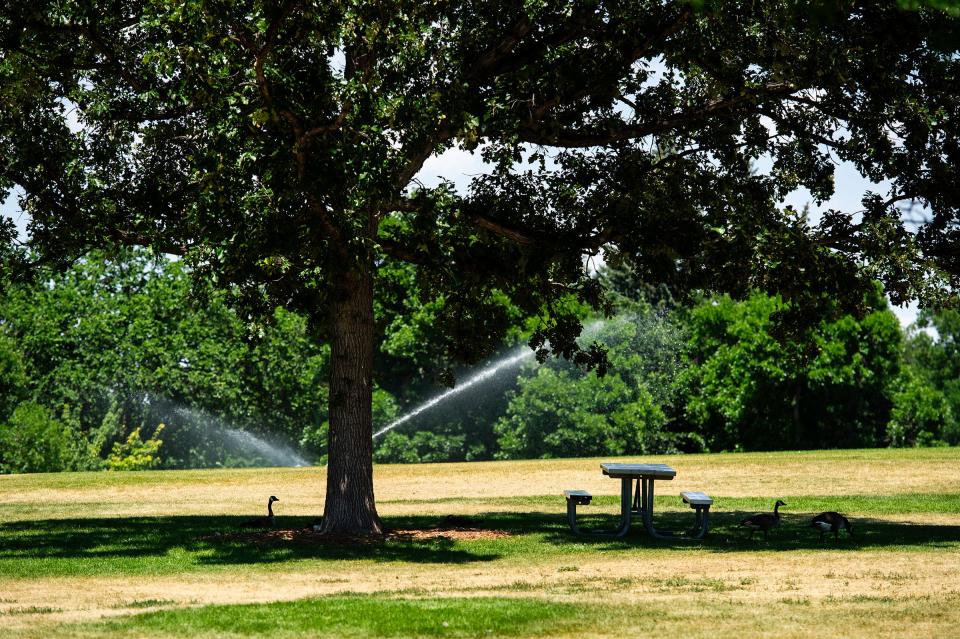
(628, 56)
(546, 135)
(494, 55)
(517, 235)
(584, 240)
(403, 253)
(260, 54)
(414, 163)
(664, 31)
(794, 128)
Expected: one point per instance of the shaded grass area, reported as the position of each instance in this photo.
(666, 499)
(167, 545)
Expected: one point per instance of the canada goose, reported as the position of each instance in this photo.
(764, 521)
(831, 522)
(262, 522)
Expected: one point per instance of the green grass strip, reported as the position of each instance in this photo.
(359, 616)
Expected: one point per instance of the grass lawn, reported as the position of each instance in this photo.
(155, 554)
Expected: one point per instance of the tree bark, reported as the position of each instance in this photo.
(799, 435)
(350, 507)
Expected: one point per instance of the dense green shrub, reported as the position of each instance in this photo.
(13, 377)
(558, 413)
(135, 453)
(750, 387)
(34, 440)
(561, 411)
(419, 447)
(932, 355)
(128, 340)
(921, 415)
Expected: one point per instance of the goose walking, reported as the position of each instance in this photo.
(262, 522)
(764, 521)
(831, 522)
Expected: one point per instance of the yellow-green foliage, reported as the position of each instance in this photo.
(135, 453)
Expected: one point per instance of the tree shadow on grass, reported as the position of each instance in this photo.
(109, 544)
(794, 533)
(210, 541)
(726, 535)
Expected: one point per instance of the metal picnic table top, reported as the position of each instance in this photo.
(654, 471)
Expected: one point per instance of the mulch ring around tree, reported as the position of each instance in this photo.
(309, 536)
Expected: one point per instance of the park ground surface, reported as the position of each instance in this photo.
(156, 554)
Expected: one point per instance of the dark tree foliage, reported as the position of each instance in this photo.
(746, 389)
(275, 146)
(127, 341)
(561, 411)
(928, 409)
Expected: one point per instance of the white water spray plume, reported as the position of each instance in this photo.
(241, 440)
(515, 357)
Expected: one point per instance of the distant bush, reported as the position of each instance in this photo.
(751, 388)
(561, 411)
(135, 453)
(13, 378)
(921, 415)
(35, 441)
(420, 446)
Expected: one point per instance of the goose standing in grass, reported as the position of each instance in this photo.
(262, 522)
(765, 521)
(831, 522)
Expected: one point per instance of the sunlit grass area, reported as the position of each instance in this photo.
(156, 553)
(385, 615)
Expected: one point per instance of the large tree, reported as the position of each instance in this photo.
(276, 147)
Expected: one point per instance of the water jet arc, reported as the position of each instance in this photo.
(241, 440)
(515, 357)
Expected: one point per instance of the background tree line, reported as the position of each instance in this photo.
(128, 364)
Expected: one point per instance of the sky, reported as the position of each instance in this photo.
(459, 166)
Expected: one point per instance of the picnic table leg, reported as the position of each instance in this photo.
(648, 505)
(702, 523)
(648, 509)
(572, 516)
(626, 489)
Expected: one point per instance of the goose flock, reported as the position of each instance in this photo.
(825, 522)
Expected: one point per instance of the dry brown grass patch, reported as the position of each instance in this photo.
(244, 491)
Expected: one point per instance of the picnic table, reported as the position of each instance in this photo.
(639, 503)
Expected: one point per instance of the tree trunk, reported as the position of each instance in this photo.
(799, 434)
(350, 507)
